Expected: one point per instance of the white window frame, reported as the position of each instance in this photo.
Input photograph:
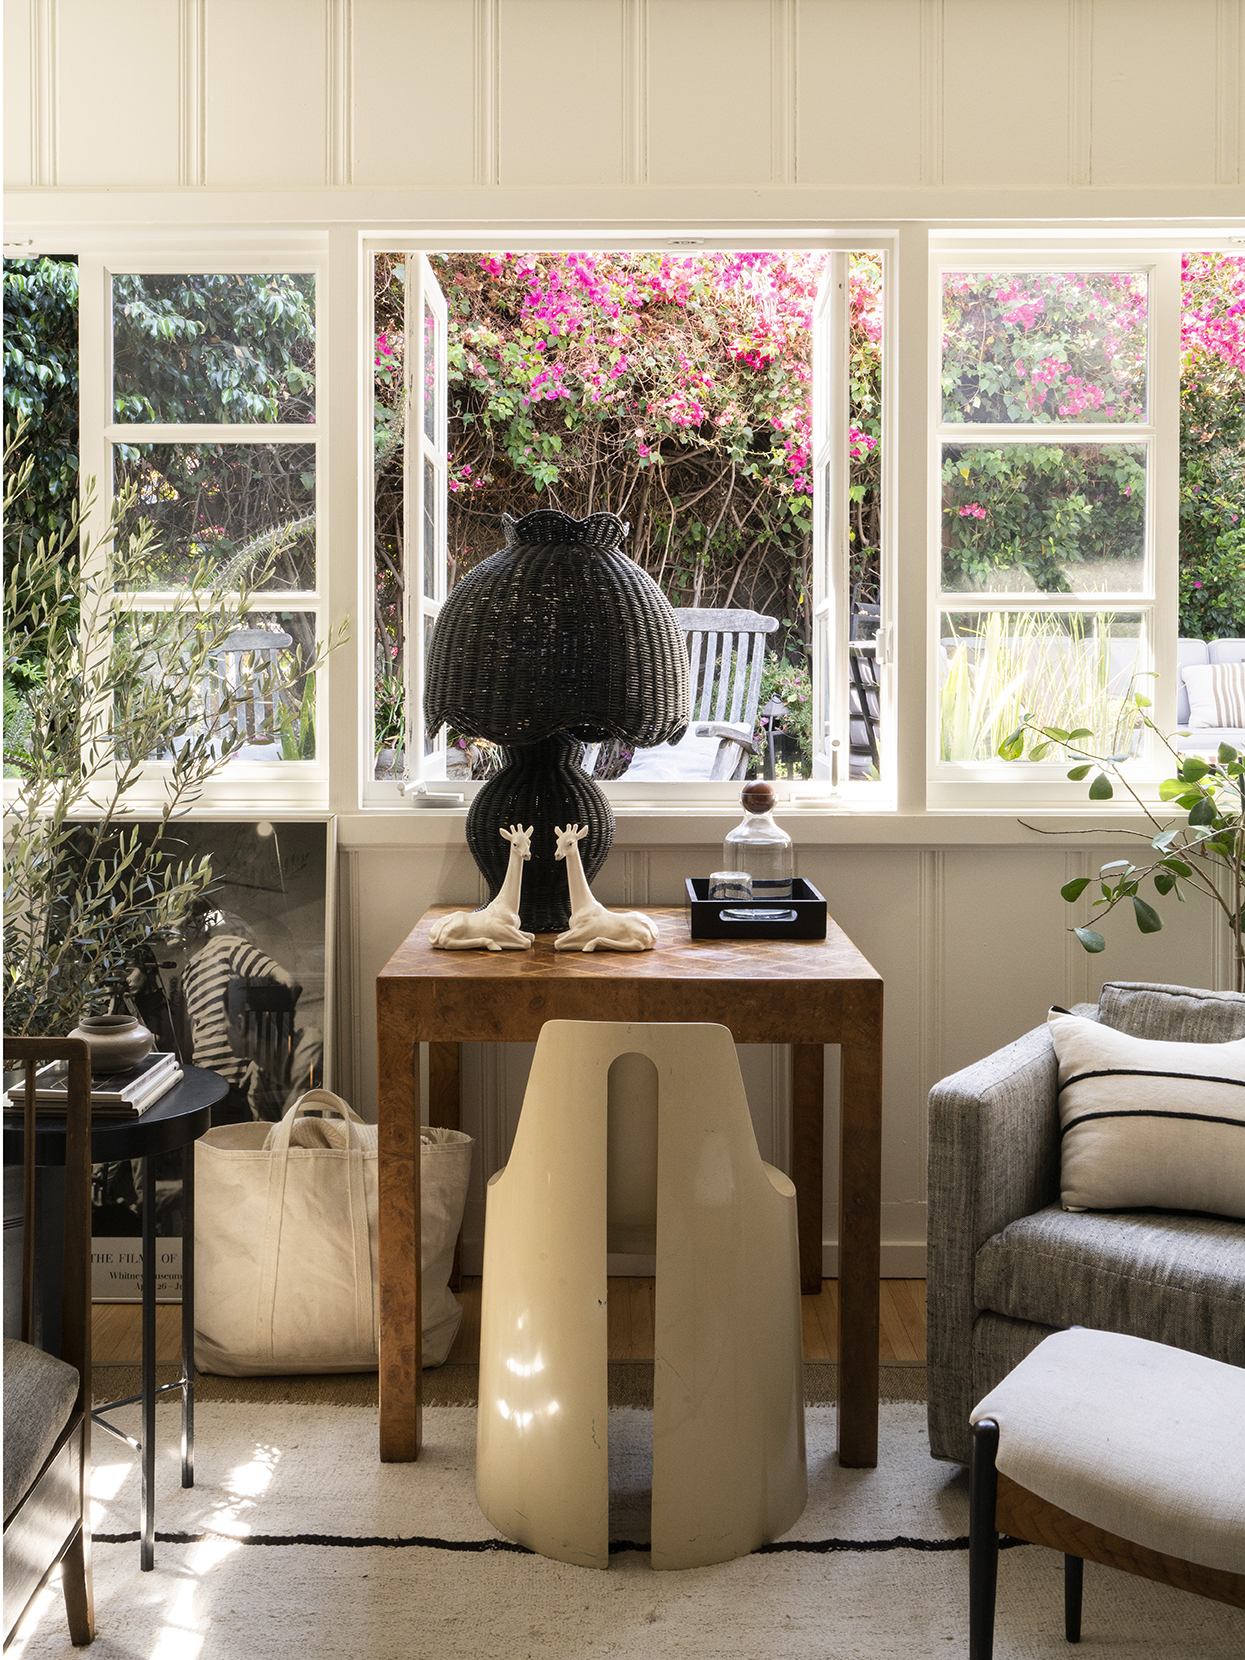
(340, 256)
(676, 797)
(983, 784)
(237, 786)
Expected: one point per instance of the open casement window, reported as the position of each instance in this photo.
(425, 537)
(851, 623)
(199, 395)
(414, 572)
(1055, 432)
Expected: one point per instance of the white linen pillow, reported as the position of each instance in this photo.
(1216, 695)
(1149, 1124)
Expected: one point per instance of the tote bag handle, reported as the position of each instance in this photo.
(356, 1203)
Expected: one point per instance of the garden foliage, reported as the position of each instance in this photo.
(673, 391)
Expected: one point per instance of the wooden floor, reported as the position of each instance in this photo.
(116, 1329)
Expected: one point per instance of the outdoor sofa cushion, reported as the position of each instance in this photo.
(1192, 653)
(39, 1395)
(1177, 1279)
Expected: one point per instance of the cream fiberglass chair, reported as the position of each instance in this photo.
(655, 1119)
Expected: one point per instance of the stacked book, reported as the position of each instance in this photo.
(113, 1094)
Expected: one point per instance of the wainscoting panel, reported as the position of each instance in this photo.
(561, 78)
(990, 137)
(854, 58)
(421, 131)
(1138, 73)
(709, 92)
(118, 94)
(267, 79)
(868, 94)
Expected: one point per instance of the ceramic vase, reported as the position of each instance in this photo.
(116, 1041)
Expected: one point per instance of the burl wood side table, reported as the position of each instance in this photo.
(803, 992)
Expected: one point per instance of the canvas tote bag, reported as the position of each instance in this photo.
(286, 1247)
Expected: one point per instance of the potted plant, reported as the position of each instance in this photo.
(1203, 851)
(85, 888)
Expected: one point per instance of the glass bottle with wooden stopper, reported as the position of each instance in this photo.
(760, 846)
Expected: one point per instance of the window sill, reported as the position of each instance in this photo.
(684, 826)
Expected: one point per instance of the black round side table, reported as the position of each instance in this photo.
(178, 1119)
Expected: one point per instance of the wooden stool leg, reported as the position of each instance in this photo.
(983, 1541)
(400, 1260)
(445, 1113)
(1073, 1584)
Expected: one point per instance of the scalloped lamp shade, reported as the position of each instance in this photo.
(557, 640)
(559, 632)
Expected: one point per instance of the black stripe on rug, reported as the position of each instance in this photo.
(810, 1547)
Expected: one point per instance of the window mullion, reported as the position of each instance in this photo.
(1164, 515)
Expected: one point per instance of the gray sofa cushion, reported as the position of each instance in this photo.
(1172, 1013)
(39, 1395)
(1177, 1279)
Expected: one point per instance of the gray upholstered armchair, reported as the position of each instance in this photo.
(1007, 1265)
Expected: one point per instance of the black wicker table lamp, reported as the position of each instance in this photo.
(557, 641)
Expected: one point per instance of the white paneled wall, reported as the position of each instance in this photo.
(602, 111)
(857, 94)
(972, 943)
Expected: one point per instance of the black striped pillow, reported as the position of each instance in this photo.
(1149, 1124)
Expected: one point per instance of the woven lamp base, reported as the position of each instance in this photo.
(543, 785)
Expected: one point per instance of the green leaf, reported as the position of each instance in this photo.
(1100, 789)
(1090, 940)
(1074, 889)
(1193, 769)
(1141, 701)
(1077, 773)
(1164, 881)
(1148, 919)
(1081, 732)
(1203, 811)
(1056, 732)
(1227, 754)
(1179, 866)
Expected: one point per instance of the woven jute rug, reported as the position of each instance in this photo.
(630, 1384)
(296, 1541)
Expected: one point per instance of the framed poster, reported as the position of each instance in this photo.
(244, 990)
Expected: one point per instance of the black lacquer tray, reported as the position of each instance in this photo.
(802, 917)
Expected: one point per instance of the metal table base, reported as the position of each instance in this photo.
(146, 1447)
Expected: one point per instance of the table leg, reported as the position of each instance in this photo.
(445, 1113)
(860, 1224)
(808, 1062)
(188, 1315)
(147, 1516)
(398, 1124)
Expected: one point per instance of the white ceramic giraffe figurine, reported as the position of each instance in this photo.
(592, 926)
(496, 927)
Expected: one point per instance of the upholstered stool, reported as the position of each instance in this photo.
(1111, 1449)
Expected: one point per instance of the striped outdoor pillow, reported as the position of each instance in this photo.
(1216, 694)
(1149, 1124)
